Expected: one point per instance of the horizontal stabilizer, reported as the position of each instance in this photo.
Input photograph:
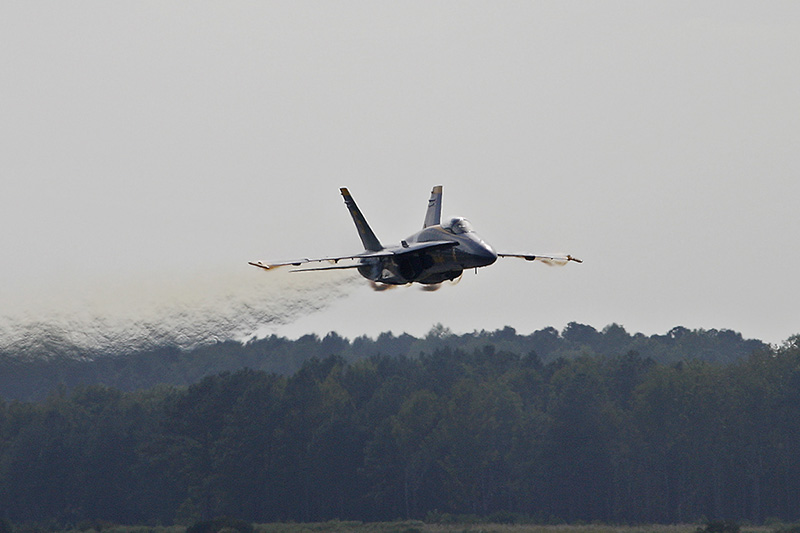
(312, 269)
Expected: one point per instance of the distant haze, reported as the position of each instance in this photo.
(145, 146)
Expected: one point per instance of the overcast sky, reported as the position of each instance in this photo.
(152, 142)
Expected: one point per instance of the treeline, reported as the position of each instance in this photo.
(484, 432)
(32, 376)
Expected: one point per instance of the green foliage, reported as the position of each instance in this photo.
(32, 376)
(221, 524)
(454, 434)
(720, 526)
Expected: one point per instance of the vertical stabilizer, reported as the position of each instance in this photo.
(434, 215)
(368, 238)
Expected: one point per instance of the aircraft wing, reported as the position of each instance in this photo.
(332, 259)
(549, 259)
(386, 252)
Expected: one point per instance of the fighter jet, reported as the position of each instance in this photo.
(437, 253)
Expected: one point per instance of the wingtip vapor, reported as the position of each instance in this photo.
(259, 264)
(440, 252)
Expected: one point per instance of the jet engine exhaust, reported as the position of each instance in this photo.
(380, 287)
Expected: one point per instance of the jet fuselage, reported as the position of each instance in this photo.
(436, 265)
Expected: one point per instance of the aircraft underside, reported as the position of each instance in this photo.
(426, 269)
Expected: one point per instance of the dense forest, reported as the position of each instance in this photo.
(587, 430)
(35, 372)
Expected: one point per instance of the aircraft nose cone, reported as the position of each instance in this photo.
(487, 253)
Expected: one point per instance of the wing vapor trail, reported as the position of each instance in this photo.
(553, 262)
(120, 316)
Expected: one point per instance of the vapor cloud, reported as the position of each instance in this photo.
(120, 316)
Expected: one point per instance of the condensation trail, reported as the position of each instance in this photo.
(120, 316)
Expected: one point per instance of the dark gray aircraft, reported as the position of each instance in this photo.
(437, 253)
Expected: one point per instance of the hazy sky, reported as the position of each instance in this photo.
(146, 146)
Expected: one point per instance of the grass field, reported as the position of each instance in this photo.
(413, 526)
(421, 527)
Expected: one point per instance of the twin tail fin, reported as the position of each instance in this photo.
(433, 217)
(368, 238)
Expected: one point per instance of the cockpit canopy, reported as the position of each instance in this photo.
(458, 226)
